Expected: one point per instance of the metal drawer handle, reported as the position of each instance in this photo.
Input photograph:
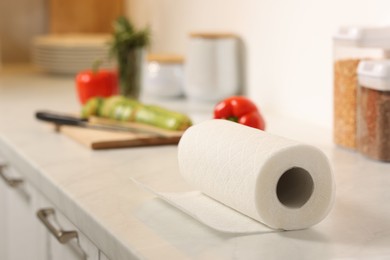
(62, 236)
(12, 182)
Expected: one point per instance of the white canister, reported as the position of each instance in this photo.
(212, 66)
(164, 75)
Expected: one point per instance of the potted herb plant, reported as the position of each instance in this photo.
(128, 47)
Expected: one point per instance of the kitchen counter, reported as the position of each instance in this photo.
(94, 187)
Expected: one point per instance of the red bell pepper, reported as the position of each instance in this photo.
(241, 110)
(96, 83)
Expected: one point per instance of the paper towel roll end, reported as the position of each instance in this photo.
(304, 188)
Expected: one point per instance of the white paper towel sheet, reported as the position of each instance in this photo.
(250, 181)
(199, 206)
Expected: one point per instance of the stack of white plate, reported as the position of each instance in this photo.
(70, 53)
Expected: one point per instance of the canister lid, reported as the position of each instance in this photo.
(165, 58)
(212, 35)
(374, 74)
(378, 37)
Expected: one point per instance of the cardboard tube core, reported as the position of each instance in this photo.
(295, 187)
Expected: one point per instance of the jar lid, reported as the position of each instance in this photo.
(165, 58)
(212, 35)
(374, 74)
(376, 37)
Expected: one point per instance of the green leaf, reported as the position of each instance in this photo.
(126, 37)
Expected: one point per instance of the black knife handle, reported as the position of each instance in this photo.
(60, 119)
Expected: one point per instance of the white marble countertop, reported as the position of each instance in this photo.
(93, 188)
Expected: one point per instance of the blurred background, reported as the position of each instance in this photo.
(288, 44)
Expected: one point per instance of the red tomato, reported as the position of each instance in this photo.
(253, 119)
(241, 110)
(103, 83)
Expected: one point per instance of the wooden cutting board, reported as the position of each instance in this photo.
(99, 139)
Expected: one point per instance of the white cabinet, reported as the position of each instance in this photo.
(64, 240)
(33, 228)
(2, 219)
(22, 239)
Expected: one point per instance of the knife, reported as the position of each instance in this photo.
(63, 119)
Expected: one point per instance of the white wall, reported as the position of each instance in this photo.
(289, 47)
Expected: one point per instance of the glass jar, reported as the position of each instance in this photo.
(373, 113)
(351, 45)
(164, 75)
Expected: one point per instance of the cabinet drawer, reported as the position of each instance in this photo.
(19, 236)
(31, 227)
(64, 240)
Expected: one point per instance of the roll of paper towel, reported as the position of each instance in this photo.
(238, 170)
